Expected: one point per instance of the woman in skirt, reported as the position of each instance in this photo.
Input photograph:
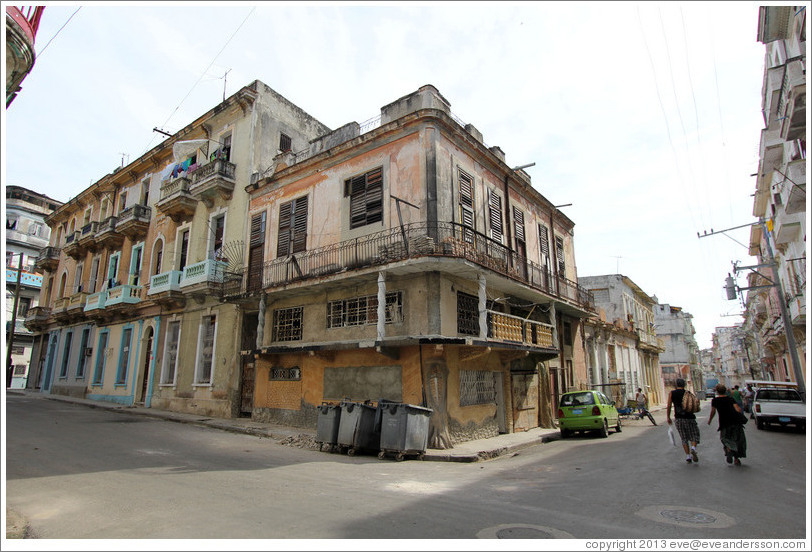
(731, 430)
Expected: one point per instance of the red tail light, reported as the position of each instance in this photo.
(560, 413)
(758, 408)
(596, 411)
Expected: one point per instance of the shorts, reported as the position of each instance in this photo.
(688, 430)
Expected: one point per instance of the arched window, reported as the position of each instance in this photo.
(157, 257)
(62, 282)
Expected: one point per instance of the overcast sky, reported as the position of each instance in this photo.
(645, 117)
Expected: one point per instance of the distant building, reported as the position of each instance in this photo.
(621, 345)
(731, 359)
(26, 235)
(681, 356)
(21, 32)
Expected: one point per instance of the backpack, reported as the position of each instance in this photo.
(690, 403)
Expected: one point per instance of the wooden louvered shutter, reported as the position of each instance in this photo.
(299, 239)
(283, 237)
(559, 256)
(374, 196)
(256, 251)
(495, 214)
(467, 205)
(357, 187)
(518, 223)
(544, 245)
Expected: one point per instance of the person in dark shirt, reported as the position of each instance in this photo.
(731, 430)
(685, 422)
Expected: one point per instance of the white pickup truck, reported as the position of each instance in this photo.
(784, 406)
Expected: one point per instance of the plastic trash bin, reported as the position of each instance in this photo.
(404, 430)
(356, 428)
(327, 425)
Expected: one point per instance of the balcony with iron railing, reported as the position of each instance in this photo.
(176, 200)
(213, 180)
(48, 258)
(415, 240)
(134, 221)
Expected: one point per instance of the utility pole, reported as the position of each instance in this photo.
(793, 349)
(10, 344)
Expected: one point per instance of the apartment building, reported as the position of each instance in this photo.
(780, 197)
(622, 347)
(731, 356)
(131, 311)
(681, 356)
(403, 259)
(26, 235)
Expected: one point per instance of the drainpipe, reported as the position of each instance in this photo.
(483, 312)
(507, 221)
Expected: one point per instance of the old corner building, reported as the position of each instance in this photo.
(258, 263)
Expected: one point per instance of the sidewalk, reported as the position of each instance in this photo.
(470, 451)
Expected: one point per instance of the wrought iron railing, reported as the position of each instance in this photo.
(219, 167)
(48, 252)
(443, 239)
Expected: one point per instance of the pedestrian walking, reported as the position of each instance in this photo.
(685, 421)
(731, 426)
(749, 393)
(737, 396)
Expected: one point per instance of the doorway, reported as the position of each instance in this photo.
(147, 363)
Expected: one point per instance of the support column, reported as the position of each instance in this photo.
(381, 306)
(483, 309)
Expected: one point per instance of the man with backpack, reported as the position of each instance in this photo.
(684, 419)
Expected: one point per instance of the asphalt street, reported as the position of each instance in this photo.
(80, 473)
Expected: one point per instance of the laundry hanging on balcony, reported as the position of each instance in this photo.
(186, 153)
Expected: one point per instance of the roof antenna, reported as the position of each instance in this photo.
(122, 158)
(225, 80)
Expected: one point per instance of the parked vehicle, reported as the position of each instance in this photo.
(587, 411)
(774, 405)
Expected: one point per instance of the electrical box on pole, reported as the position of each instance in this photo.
(730, 287)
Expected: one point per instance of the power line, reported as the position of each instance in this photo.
(39, 55)
(205, 71)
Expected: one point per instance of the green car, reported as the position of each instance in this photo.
(587, 411)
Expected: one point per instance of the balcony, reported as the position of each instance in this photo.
(797, 310)
(649, 341)
(87, 237)
(134, 221)
(37, 318)
(107, 235)
(788, 229)
(793, 102)
(95, 301)
(203, 279)
(165, 288)
(515, 329)
(48, 259)
(60, 309)
(216, 179)
(123, 295)
(416, 240)
(71, 247)
(793, 191)
(177, 201)
(75, 306)
(771, 93)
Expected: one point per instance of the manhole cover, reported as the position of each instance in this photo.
(522, 533)
(686, 516)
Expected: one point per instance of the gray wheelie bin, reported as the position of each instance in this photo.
(327, 425)
(357, 428)
(404, 430)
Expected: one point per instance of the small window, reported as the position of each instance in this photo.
(205, 353)
(285, 143)
(359, 311)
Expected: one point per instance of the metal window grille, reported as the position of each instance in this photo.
(359, 311)
(476, 387)
(287, 324)
(285, 142)
(285, 374)
(467, 314)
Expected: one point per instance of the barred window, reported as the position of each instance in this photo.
(287, 324)
(285, 374)
(467, 314)
(360, 311)
(477, 387)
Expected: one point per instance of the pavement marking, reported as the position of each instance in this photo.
(687, 516)
(522, 531)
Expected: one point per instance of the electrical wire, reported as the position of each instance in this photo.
(203, 74)
(39, 55)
